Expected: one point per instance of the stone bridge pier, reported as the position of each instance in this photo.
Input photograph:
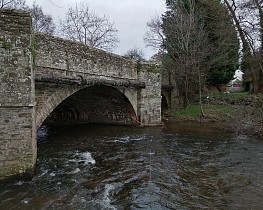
(46, 80)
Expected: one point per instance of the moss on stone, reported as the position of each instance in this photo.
(153, 69)
(6, 45)
(147, 68)
(138, 66)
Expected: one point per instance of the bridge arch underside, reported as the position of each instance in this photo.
(164, 103)
(93, 104)
(166, 100)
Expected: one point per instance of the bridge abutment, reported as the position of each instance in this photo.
(149, 98)
(17, 110)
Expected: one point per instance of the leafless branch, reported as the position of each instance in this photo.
(85, 26)
(54, 4)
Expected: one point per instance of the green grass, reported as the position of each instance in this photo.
(191, 111)
(211, 111)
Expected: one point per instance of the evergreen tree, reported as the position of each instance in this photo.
(223, 40)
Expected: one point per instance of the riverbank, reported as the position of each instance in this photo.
(240, 113)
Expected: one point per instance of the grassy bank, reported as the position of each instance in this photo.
(211, 111)
(239, 111)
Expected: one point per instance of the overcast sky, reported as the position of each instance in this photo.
(130, 17)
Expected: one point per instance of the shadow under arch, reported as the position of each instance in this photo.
(93, 104)
(164, 104)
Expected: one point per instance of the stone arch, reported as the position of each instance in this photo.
(49, 97)
(132, 96)
(58, 95)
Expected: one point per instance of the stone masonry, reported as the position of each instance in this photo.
(17, 95)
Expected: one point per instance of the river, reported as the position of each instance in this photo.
(180, 166)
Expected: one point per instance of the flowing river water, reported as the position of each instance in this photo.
(181, 166)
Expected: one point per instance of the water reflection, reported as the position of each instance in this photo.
(183, 166)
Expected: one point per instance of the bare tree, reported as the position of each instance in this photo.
(85, 26)
(186, 43)
(248, 18)
(251, 17)
(135, 54)
(13, 4)
(41, 22)
(154, 36)
(253, 28)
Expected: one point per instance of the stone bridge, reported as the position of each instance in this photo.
(46, 79)
(91, 85)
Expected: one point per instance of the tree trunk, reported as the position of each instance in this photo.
(247, 55)
(200, 94)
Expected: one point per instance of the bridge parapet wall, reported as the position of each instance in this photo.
(17, 127)
(54, 55)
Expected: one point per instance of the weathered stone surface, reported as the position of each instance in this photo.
(17, 140)
(72, 80)
(57, 56)
(16, 87)
(17, 95)
(149, 104)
